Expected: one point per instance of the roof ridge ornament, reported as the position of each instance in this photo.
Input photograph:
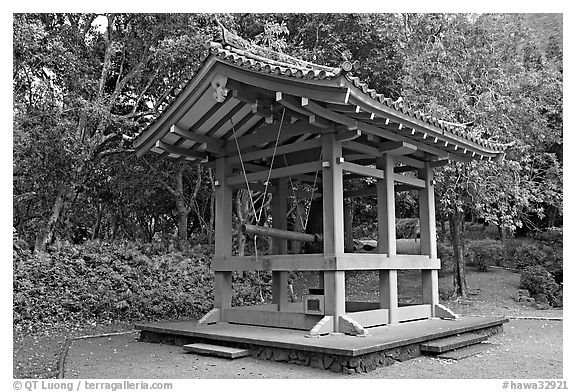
(234, 41)
(349, 65)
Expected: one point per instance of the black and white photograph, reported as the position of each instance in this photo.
(334, 196)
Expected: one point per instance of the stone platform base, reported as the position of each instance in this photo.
(384, 346)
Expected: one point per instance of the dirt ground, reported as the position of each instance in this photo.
(526, 349)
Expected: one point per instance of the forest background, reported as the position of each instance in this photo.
(97, 232)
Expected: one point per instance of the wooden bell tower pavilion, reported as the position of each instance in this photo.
(262, 120)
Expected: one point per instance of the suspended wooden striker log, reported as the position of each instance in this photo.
(278, 233)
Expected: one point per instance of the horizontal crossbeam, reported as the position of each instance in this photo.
(416, 182)
(362, 170)
(183, 152)
(212, 144)
(287, 171)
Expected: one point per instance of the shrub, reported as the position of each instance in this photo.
(553, 236)
(527, 254)
(486, 253)
(539, 281)
(446, 256)
(407, 228)
(116, 282)
(445, 294)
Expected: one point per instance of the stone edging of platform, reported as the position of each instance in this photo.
(337, 363)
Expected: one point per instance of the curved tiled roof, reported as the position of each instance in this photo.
(235, 50)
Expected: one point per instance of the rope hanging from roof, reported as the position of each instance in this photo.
(258, 214)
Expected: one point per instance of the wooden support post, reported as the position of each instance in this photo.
(333, 216)
(279, 245)
(428, 236)
(223, 236)
(387, 236)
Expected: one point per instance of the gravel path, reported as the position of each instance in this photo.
(526, 349)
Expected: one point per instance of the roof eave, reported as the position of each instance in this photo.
(161, 125)
(366, 103)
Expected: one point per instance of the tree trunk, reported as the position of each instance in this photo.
(241, 242)
(243, 213)
(502, 231)
(47, 233)
(98, 223)
(456, 221)
(299, 222)
(115, 226)
(442, 231)
(315, 225)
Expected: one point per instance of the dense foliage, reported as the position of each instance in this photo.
(120, 282)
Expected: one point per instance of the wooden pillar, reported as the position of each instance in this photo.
(333, 214)
(223, 235)
(428, 236)
(279, 246)
(387, 236)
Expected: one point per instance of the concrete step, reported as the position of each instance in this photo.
(452, 342)
(214, 350)
(465, 352)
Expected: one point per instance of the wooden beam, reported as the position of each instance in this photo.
(416, 182)
(367, 104)
(280, 234)
(285, 149)
(208, 115)
(362, 148)
(293, 104)
(362, 170)
(320, 262)
(276, 173)
(238, 128)
(185, 100)
(373, 138)
(269, 133)
(370, 318)
(319, 122)
(212, 144)
(428, 236)
(184, 152)
(299, 262)
(397, 148)
(439, 163)
(395, 136)
(265, 318)
(346, 135)
(328, 114)
(388, 280)
(324, 90)
(333, 218)
(225, 119)
(223, 236)
(344, 108)
(332, 190)
(280, 246)
(410, 161)
(414, 312)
